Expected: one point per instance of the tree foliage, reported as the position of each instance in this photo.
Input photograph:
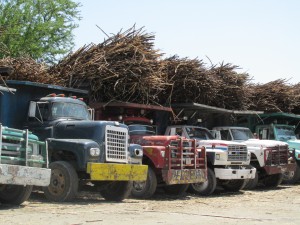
(41, 29)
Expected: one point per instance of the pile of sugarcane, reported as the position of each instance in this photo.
(25, 68)
(127, 67)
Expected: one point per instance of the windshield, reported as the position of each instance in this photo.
(141, 129)
(199, 133)
(241, 134)
(69, 110)
(285, 133)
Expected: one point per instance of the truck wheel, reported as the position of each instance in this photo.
(14, 194)
(146, 188)
(176, 189)
(292, 177)
(273, 180)
(63, 184)
(117, 191)
(251, 183)
(234, 185)
(206, 188)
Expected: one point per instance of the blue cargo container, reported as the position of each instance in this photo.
(14, 106)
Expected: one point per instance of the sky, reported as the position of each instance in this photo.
(262, 37)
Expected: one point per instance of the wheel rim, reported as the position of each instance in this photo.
(57, 184)
(288, 175)
(139, 186)
(200, 186)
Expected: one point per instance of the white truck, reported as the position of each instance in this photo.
(228, 163)
(270, 158)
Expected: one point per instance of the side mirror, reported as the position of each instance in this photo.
(32, 109)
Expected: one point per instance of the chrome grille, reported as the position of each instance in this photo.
(237, 153)
(116, 144)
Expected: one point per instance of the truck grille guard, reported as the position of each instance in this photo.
(277, 155)
(237, 153)
(17, 148)
(116, 144)
(184, 154)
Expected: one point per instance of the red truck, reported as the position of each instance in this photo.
(173, 162)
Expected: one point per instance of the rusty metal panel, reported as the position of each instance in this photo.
(185, 176)
(23, 175)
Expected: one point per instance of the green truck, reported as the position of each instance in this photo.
(23, 162)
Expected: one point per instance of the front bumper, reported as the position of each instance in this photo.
(24, 175)
(230, 174)
(280, 169)
(184, 176)
(117, 172)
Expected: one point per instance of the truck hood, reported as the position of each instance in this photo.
(294, 144)
(219, 142)
(263, 143)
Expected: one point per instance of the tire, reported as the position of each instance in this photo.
(292, 177)
(147, 188)
(63, 184)
(117, 191)
(206, 188)
(272, 180)
(251, 183)
(176, 189)
(234, 185)
(14, 194)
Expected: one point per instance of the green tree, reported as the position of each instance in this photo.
(41, 29)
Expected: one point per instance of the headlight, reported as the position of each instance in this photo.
(218, 157)
(94, 151)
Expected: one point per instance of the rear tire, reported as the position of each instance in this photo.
(176, 189)
(63, 184)
(145, 189)
(234, 185)
(206, 188)
(272, 180)
(117, 191)
(14, 194)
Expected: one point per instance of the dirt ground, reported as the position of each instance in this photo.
(260, 206)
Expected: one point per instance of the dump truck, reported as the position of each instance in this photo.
(228, 162)
(173, 162)
(82, 152)
(271, 159)
(23, 160)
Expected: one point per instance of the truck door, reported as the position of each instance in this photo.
(263, 133)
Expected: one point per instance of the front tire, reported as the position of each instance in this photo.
(206, 188)
(14, 194)
(63, 184)
(234, 185)
(292, 177)
(146, 188)
(117, 191)
(252, 183)
(273, 180)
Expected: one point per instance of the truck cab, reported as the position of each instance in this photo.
(228, 161)
(270, 158)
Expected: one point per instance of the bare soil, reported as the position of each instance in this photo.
(261, 206)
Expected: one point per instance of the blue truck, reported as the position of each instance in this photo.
(82, 152)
